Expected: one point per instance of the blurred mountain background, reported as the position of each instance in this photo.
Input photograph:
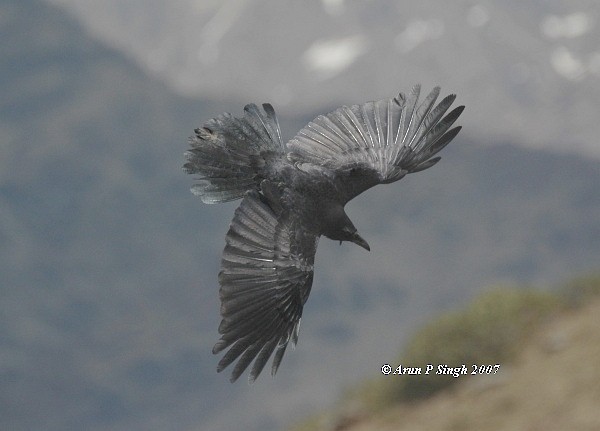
(529, 71)
(109, 265)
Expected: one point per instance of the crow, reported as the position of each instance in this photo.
(291, 195)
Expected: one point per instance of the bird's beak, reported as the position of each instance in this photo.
(359, 241)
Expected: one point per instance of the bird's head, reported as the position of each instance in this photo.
(340, 228)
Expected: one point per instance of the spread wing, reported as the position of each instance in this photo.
(266, 277)
(377, 142)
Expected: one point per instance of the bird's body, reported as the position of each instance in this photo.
(313, 195)
(292, 195)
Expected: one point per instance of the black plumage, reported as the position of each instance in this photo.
(294, 193)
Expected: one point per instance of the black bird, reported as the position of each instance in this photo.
(292, 194)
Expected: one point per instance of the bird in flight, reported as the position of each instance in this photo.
(293, 193)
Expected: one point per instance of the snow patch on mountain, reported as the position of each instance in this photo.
(328, 58)
(419, 31)
(569, 26)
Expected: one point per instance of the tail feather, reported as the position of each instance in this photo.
(228, 154)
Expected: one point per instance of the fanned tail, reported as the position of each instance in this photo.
(230, 155)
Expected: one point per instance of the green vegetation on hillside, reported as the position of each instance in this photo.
(493, 329)
(487, 332)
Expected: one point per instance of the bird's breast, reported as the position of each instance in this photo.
(308, 193)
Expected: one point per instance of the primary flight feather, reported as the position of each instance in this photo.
(291, 195)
